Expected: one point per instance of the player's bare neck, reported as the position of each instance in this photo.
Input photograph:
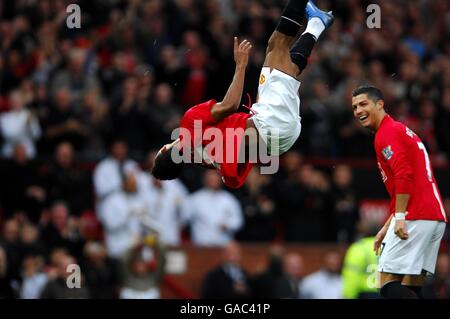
(381, 117)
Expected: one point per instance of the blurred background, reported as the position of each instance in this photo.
(83, 111)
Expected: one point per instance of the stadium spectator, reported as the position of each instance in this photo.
(97, 121)
(427, 129)
(303, 200)
(325, 283)
(317, 123)
(119, 215)
(22, 186)
(228, 280)
(10, 242)
(164, 114)
(446, 238)
(75, 76)
(360, 262)
(170, 69)
(345, 204)
(442, 119)
(62, 230)
(6, 290)
(66, 182)
(19, 125)
(143, 268)
(214, 214)
(258, 207)
(438, 286)
(124, 111)
(57, 287)
(197, 75)
(281, 278)
(33, 277)
(293, 270)
(63, 123)
(30, 243)
(101, 272)
(110, 172)
(164, 201)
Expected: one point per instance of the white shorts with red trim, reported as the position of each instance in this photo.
(277, 111)
(418, 252)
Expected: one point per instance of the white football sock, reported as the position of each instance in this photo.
(315, 26)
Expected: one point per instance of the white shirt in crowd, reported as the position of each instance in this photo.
(164, 207)
(32, 286)
(107, 176)
(129, 293)
(321, 285)
(207, 211)
(118, 214)
(19, 127)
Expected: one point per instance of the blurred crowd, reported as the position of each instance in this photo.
(82, 112)
(146, 61)
(339, 276)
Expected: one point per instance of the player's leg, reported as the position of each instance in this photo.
(430, 254)
(392, 287)
(318, 21)
(282, 42)
(415, 283)
(395, 286)
(391, 267)
(283, 37)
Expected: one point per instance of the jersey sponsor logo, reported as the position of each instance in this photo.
(262, 79)
(388, 152)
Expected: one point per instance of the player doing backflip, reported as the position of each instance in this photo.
(274, 118)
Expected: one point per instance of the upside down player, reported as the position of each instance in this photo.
(276, 115)
(408, 244)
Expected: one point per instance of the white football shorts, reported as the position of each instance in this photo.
(419, 251)
(277, 111)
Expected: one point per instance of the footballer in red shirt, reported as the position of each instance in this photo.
(213, 135)
(408, 244)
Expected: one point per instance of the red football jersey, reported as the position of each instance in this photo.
(405, 169)
(204, 129)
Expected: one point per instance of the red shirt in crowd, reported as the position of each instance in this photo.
(227, 136)
(406, 169)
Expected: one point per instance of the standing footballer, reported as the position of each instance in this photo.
(408, 243)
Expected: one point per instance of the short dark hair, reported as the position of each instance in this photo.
(372, 92)
(165, 168)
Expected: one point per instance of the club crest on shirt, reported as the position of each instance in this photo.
(387, 152)
(262, 79)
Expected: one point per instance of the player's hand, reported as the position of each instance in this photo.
(379, 239)
(241, 52)
(400, 229)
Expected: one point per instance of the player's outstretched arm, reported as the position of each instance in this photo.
(230, 102)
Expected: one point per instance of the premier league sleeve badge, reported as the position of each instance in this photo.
(388, 153)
